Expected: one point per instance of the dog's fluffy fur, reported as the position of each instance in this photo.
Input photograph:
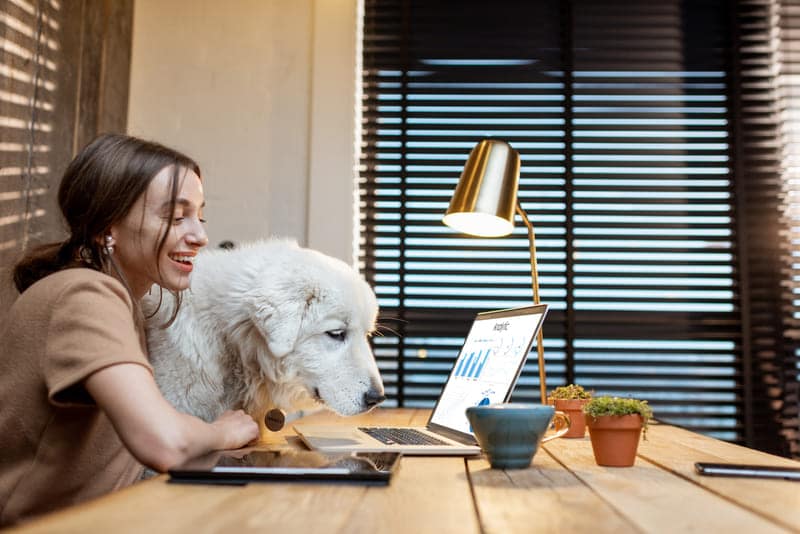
(267, 325)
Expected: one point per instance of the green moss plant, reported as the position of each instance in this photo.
(600, 406)
(569, 392)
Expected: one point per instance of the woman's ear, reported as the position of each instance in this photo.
(107, 238)
(106, 241)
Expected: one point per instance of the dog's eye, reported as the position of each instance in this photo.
(338, 335)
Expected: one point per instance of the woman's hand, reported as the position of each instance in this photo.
(157, 434)
(237, 428)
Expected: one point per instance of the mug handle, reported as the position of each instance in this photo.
(563, 428)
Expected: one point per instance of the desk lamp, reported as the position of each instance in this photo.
(484, 204)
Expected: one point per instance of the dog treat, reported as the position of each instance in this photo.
(275, 419)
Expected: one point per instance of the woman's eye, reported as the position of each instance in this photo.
(177, 220)
(338, 335)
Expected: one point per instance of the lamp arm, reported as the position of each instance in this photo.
(535, 286)
(532, 246)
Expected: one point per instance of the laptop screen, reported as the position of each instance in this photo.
(488, 365)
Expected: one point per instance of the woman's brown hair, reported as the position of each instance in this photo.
(98, 189)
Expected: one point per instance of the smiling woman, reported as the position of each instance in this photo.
(160, 236)
(81, 409)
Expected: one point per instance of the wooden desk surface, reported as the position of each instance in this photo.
(563, 491)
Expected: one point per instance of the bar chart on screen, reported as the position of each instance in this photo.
(472, 365)
(486, 368)
(482, 373)
(488, 359)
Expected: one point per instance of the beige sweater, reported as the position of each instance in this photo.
(56, 447)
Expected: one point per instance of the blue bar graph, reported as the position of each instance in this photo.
(460, 366)
(471, 366)
(483, 362)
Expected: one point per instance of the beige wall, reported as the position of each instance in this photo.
(260, 92)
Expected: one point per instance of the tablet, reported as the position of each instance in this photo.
(753, 471)
(257, 465)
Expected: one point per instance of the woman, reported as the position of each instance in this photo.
(80, 408)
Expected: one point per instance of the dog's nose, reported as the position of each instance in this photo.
(373, 397)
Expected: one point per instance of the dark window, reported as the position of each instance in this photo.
(628, 117)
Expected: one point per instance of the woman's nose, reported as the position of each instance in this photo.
(197, 236)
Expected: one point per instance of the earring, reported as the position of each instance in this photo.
(109, 245)
(85, 254)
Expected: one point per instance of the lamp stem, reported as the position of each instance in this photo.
(535, 285)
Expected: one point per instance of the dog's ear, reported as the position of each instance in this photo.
(278, 315)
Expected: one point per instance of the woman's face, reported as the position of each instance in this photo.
(136, 237)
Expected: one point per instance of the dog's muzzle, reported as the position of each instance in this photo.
(373, 397)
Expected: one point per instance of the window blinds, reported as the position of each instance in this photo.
(624, 117)
(27, 73)
(788, 396)
(767, 141)
(30, 35)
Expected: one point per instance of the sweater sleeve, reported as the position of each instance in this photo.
(91, 327)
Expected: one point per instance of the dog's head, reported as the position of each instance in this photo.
(316, 315)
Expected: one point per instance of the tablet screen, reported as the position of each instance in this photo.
(250, 465)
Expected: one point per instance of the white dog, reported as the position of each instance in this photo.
(267, 325)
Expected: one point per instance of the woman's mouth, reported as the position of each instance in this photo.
(184, 262)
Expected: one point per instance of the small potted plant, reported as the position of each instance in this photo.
(571, 399)
(615, 425)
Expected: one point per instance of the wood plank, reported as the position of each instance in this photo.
(654, 499)
(677, 450)
(90, 59)
(153, 505)
(730, 452)
(427, 495)
(116, 66)
(321, 508)
(543, 498)
(158, 506)
(300, 507)
(387, 509)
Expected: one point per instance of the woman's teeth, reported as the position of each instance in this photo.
(182, 259)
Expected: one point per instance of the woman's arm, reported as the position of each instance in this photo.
(157, 434)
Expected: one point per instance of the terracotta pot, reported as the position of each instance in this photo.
(577, 419)
(615, 438)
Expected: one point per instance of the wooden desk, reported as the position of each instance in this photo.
(563, 491)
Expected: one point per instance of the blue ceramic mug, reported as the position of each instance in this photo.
(510, 433)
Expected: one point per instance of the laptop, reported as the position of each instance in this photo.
(485, 372)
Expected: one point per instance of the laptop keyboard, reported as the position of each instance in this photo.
(401, 436)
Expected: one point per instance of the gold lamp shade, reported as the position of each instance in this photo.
(485, 199)
(484, 204)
